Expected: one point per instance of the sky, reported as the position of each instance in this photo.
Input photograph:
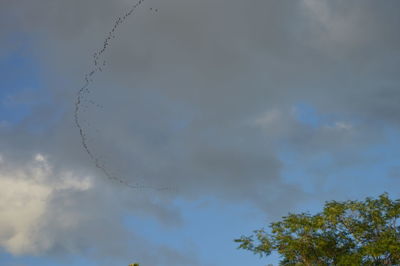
(202, 121)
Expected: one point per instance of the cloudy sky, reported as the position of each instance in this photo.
(202, 120)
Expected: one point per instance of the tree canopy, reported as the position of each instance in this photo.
(344, 233)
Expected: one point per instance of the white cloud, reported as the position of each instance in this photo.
(46, 211)
(319, 9)
(268, 118)
(340, 126)
(24, 202)
(333, 26)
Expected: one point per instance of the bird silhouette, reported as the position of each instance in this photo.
(80, 106)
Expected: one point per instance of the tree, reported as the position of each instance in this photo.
(344, 233)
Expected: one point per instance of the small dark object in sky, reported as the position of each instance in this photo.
(85, 90)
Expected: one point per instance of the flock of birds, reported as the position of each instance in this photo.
(98, 64)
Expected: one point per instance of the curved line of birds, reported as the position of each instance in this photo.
(98, 65)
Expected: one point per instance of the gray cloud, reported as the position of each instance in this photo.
(200, 94)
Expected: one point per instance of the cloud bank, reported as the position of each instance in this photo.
(203, 96)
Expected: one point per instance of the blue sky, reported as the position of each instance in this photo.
(241, 115)
(19, 75)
